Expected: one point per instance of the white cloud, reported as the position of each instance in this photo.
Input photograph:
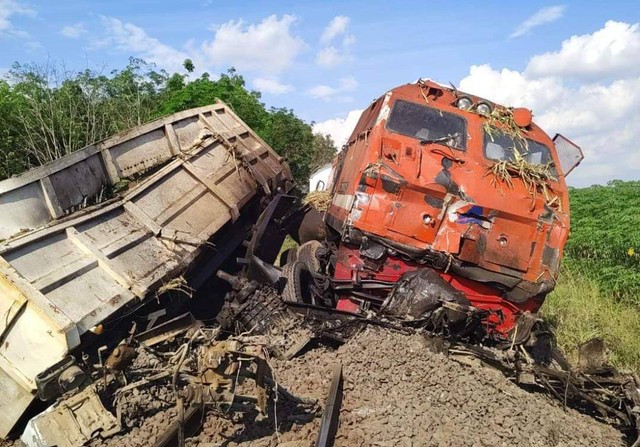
(510, 87)
(611, 51)
(329, 57)
(322, 91)
(326, 92)
(272, 86)
(74, 31)
(339, 129)
(348, 40)
(603, 117)
(348, 84)
(337, 26)
(9, 8)
(267, 47)
(540, 17)
(129, 38)
(332, 55)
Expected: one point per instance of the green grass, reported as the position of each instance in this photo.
(579, 310)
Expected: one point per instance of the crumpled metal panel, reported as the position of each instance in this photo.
(71, 422)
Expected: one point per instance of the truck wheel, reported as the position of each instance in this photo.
(298, 282)
(307, 254)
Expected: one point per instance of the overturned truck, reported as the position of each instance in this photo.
(91, 237)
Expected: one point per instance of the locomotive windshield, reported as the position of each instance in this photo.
(426, 123)
(500, 146)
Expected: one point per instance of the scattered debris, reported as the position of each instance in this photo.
(502, 119)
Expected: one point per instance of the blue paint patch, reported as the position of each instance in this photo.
(475, 214)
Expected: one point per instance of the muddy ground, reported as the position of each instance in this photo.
(396, 393)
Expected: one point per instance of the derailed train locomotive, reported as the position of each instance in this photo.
(467, 193)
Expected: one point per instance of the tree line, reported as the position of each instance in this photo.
(47, 112)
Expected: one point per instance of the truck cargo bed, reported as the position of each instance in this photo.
(66, 265)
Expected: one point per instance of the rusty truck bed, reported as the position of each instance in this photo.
(66, 266)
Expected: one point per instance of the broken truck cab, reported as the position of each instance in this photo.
(432, 177)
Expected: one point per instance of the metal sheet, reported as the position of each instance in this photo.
(14, 400)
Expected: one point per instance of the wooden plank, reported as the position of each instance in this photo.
(249, 156)
(177, 207)
(44, 305)
(102, 209)
(274, 154)
(232, 148)
(39, 172)
(44, 233)
(14, 399)
(119, 246)
(180, 237)
(12, 304)
(285, 169)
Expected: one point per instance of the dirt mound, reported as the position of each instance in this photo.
(396, 393)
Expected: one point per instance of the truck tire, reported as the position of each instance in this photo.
(298, 281)
(288, 256)
(307, 254)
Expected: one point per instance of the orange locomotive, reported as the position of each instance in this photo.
(433, 178)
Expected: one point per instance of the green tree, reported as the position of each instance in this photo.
(324, 151)
(59, 112)
(230, 88)
(12, 160)
(48, 112)
(188, 65)
(293, 139)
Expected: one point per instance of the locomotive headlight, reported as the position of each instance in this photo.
(464, 103)
(484, 108)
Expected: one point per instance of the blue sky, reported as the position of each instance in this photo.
(325, 59)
